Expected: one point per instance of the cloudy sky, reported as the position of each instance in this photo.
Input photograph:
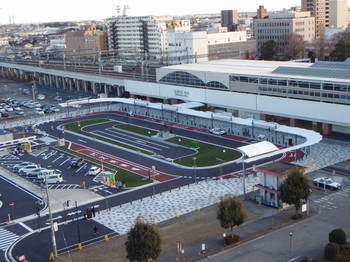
(31, 11)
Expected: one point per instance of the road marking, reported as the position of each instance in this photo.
(65, 161)
(58, 158)
(82, 140)
(26, 227)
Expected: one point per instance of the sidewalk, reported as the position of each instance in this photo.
(248, 231)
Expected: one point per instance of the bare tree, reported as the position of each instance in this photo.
(294, 47)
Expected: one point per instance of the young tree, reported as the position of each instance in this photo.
(295, 188)
(231, 212)
(268, 50)
(294, 47)
(143, 242)
(341, 52)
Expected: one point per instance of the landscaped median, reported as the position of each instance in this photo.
(207, 154)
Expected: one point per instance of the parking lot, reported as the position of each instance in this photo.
(21, 102)
(73, 178)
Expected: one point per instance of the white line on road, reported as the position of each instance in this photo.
(26, 227)
(82, 140)
(65, 161)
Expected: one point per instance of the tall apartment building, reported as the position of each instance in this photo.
(229, 19)
(130, 36)
(278, 25)
(328, 13)
(338, 13)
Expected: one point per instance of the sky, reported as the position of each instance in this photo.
(34, 11)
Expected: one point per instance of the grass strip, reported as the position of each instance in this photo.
(74, 127)
(131, 179)
(207, 155)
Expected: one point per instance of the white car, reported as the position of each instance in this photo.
(23, 164)
(8, 108)
(25, 170)
(218, 131)
(327, 183)
(55, 109)
(94, 170)
(41, 97)
(39, 112)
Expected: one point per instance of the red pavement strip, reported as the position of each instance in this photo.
(120, 163)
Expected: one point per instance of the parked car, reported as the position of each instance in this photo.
(94, 170)
(39, 112)
(3, 114)
(23, 164)
(77, 162)
(8, 108)
(57, 99)
(41, 97)
(55, 109)
(28, 168)
(218, 131)
(19, 112)
(327, 183)
(35, 172)
(25, 92)
(2, 109)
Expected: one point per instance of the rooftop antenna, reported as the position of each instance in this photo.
(118, 8)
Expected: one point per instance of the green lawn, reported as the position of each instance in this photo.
(73, 126)
(131, 179)
(207, 154)
(137, 130)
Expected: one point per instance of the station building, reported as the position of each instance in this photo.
(314, 96)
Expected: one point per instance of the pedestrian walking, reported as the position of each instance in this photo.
(95, 230)
(93, 211)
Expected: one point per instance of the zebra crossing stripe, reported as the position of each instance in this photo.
(6, 239)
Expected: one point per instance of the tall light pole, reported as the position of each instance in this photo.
(290, 246)
(54, 246)
(194, 166)
(33, 90)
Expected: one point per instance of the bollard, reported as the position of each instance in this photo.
(80, 246)
(52, 256)
(106, 238)
(198, 207)
(203, 249)
(177, 214)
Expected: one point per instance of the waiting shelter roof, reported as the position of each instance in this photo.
(259, 148)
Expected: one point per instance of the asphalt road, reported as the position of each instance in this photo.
(38, 245)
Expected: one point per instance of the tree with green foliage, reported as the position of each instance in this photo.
(341, 51)
(295, 188)
(268, 50)
(144, 241)
(231, 212)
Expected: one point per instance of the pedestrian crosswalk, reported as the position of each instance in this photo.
(334, 200)
(6, 239)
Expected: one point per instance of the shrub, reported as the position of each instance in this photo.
(331, 251)
(230, 240)
(337, 236)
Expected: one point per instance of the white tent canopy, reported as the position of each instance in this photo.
(259, 148)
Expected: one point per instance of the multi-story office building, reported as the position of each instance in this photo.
(328, 13)
(277, 26)
(199, 46)
(229, 19)
(86, 42)
(144, 36)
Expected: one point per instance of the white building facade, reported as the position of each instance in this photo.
(279, 25)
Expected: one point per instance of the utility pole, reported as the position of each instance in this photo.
(54, 246)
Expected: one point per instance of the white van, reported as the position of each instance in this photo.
(48, 172)
(54, 179)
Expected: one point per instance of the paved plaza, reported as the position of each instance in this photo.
(167, 205)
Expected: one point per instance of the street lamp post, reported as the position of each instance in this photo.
(54, 246)
(290, 245)
(33, 90)
(78, 228)
(195, 171)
